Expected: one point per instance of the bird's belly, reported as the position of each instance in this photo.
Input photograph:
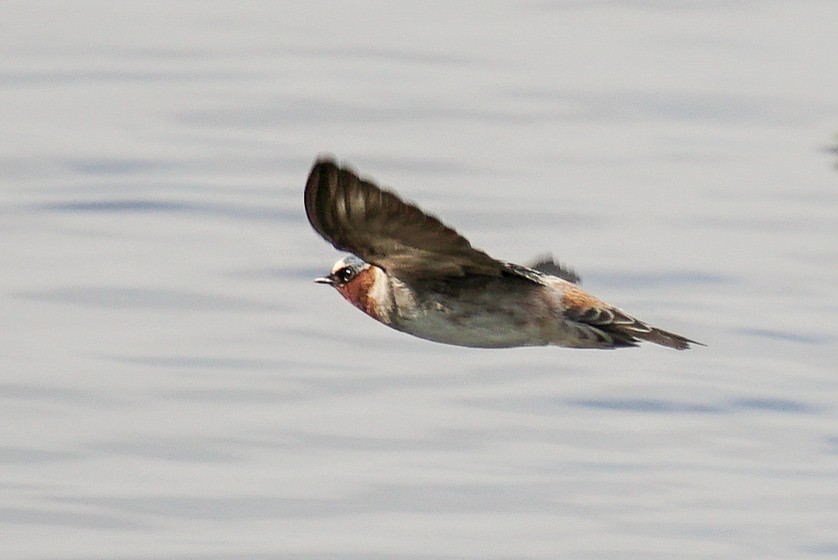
(495, 327)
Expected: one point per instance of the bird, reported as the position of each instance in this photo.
(411, 272)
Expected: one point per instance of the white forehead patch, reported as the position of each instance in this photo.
(338, 265)
(351, 261)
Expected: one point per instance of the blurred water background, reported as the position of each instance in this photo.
(174, 386)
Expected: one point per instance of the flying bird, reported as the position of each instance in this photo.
(413, 273)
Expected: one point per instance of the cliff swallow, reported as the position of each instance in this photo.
(413, 273)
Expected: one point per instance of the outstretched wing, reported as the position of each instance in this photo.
(357, 216)
(547, 265)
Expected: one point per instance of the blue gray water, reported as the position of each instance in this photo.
(174, 386)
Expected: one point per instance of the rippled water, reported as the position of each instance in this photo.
(174, 385)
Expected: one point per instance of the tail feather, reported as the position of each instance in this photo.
(665, 338)
(621, 329)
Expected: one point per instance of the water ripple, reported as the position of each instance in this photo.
(147, 206)
(146, 298)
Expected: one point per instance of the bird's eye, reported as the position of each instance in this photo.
(345, 274)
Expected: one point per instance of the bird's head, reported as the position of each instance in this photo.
(353, 279)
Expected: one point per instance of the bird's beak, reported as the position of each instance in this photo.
(324, 280)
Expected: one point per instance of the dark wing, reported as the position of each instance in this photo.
(357, 216)
(546, 264)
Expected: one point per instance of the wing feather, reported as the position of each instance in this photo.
(548, 265)
(357, 216)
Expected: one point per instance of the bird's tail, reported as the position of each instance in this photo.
(665, 338)
(620, 329)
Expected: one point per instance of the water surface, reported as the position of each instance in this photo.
(173, 385)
